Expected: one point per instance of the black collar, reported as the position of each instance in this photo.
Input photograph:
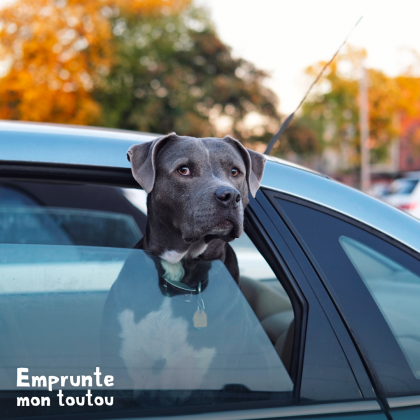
(194, 282)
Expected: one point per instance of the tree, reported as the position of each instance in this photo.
(151, 65)
(332, 112)
(56, 51)
(174, 73)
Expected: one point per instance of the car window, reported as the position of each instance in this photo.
(396, 291)
(376, 285)
(402, 186)
(253, 265)
(75, 298)
(266, 297)
(68, 310)
(68, 215)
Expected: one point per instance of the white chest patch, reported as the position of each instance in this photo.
(157, 354)
(173, 256)
(173, 272)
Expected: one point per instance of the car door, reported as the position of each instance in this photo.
(374, 282)
(54, 297)
(333, 376)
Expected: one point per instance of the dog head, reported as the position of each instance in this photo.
(197, 185)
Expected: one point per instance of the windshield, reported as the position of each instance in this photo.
(402, 186)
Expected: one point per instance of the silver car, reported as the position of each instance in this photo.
(404, 194)
(329, 295)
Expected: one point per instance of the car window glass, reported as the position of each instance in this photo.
(402, 186)
(375, 285)
(68, 215)
(66, 310)
(253, 265)
(396, 291)
(266, 296)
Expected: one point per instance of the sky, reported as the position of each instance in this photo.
(284, 37)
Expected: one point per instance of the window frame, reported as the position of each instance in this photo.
(305, 279)
(258, 234)
(368, 353)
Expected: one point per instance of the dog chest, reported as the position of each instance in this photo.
(159, 348)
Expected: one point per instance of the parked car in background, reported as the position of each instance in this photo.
(404, 194)
(377, 189)
(329, 288)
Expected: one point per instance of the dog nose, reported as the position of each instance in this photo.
(228, 196)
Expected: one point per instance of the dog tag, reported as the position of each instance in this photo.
(200, 319)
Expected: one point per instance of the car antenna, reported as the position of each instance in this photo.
(287, 121)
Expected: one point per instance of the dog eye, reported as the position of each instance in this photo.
(235, 172)
(184, 170)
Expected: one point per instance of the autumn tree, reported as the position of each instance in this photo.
(174, 73)
(150, 65)
(54, 52)
(332, 112)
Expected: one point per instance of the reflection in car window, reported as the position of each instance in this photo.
(376, 285)
(66, 227)
(64, 314)
(35, 214)
(396, 291)
(266, 296)
(253, 265)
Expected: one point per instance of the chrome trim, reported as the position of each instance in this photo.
(400, 402)
(279, 412)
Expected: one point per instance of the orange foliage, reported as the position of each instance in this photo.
(148, 7)
(391, 100)
(56, 50)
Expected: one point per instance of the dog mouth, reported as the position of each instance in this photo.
(226, 229)
(222, 228)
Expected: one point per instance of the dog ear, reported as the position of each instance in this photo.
(254, 163)
(143, 160)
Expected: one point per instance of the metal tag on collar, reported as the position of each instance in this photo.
(200, 316)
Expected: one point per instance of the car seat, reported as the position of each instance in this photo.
(274, 311)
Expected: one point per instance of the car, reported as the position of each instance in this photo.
(329, 293)
(404, 194)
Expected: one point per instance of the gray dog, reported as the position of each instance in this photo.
(198, 189)
(154, 322)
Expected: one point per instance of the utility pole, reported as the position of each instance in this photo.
(364, 130)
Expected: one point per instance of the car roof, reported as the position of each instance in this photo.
(65, 144)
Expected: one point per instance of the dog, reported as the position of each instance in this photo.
(174, 312)
(198, 189)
